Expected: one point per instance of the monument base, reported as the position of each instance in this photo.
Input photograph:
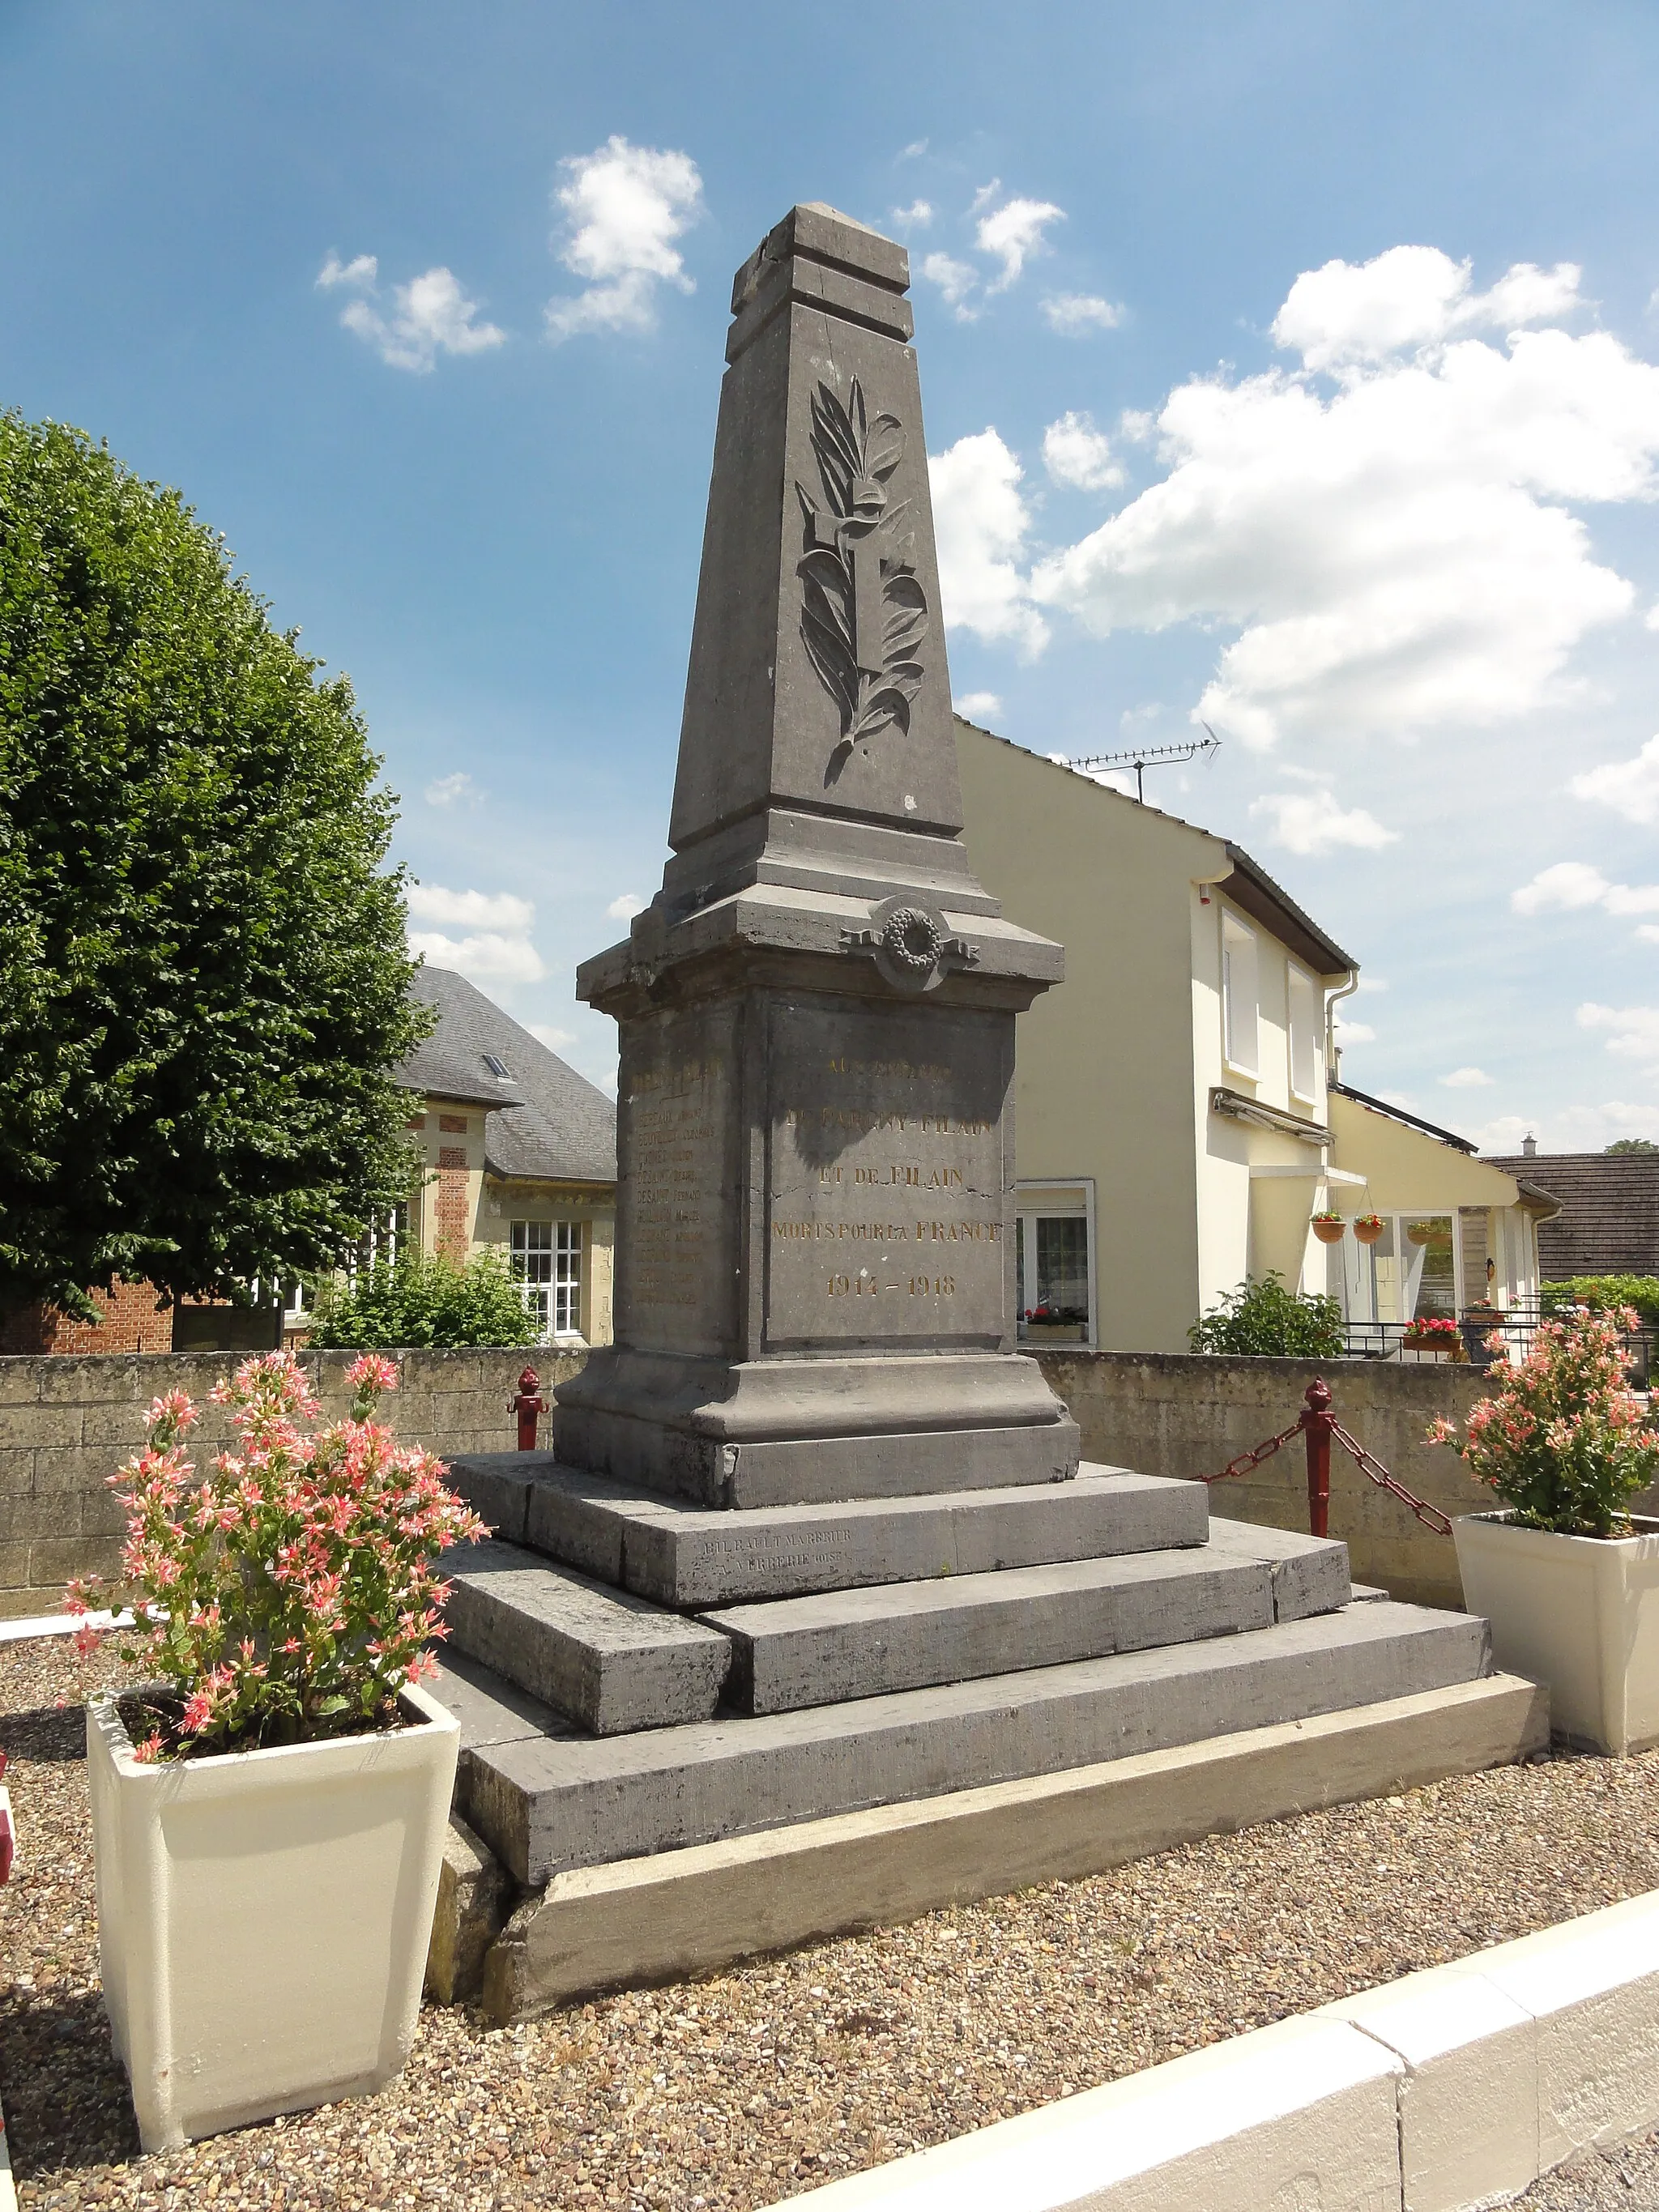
(814, 1431)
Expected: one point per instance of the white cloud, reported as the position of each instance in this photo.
(1634, 1029)
(1398, 553)
(1075, 452)
(486, 957)
(1411, 297)
(625, 908)
(957, 280)
(1467, 1079)
(479, 909)
(430, 315)
(555, 1039)
(981, 520)
(1372, 983)
(1074, 314)
(978, 706)
(1647, 932)
(916, 217)
(364, 269)
(1574, 1129)
(1354, 1032)
(1651, 620)
(1631, 787)
(624, 206)
(1012, 232)
(1312, 821)
(456, 790)
(1571, 887)
(497, 946)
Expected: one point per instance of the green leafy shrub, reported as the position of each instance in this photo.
(1266, 1318)
(422, 1298)
(1602, 1293)
(1562, 1440)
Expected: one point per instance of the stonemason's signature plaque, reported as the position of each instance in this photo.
(885, 1215)
(677, 1223)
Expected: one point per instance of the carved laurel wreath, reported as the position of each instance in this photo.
(856, 456)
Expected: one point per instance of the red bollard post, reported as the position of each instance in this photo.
(529, 1406)
(1317, 1426)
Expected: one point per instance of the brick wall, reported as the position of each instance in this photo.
(131, 1323)
(65, 1424)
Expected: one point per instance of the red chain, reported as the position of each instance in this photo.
(1246, 1461)
(1367, 1462)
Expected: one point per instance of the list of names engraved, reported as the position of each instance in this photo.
(886, 1212)
(675, 1231)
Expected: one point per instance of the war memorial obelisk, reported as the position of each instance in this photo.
(812, 1620)
(815, 1278)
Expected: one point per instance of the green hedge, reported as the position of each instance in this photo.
(1641, 1291)
(422, 1301)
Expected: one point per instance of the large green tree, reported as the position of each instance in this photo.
(203, 980)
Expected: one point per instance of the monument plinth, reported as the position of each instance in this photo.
(816, 1271)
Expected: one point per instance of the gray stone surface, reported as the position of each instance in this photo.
(542, 1806)
(1309, 1573)
(475, 1897)
(796, 1652)
(610, 1661)
(492, 1711)
(817, 1012)
(678, 1555)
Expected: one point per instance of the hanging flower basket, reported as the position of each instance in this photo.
(1329, 1228)
(1370, 1228)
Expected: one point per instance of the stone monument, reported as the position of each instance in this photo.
(816, 1272)
(928, 1656)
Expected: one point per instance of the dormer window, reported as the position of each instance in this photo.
(497, 1067)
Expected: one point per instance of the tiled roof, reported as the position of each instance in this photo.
(1608, 1224)
(546, 1121)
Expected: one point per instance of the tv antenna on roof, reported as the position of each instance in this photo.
(1141, 757)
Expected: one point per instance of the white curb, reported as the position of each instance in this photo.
(57, 1624)
(8, 2186)
(1449, 2089)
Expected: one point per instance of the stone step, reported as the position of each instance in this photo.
(792, 1653)
(544, 1806)
(695, 1559)
(608, 1659)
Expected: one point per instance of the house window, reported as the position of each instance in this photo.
(1304, 998)
(1238, 995)
(1056, 1262)
(388, 1233)
(1410, 1274)
(547, 1261)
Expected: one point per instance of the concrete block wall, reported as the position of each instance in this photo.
(1186, 1416)
(66, 1423)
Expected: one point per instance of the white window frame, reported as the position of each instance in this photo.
(546, 1258)
(1055, 1186)
(1304, 997)
(1240, 982)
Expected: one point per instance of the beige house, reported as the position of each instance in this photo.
(517, 1151)
(1177, 1122)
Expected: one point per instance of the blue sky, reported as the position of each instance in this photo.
(1389, 524)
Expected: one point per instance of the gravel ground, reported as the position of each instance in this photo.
(1626, 2179)
(758, 2083)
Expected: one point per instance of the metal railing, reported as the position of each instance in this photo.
(1516, 1325)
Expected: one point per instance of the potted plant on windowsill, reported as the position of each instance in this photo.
(268, 1815)
(1048, 1323)
(1567, 1577)
(1329, 1228)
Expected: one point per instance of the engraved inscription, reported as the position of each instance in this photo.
(884, 1213)
(675, 1247)
(864, 613)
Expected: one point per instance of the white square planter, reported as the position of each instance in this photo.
(1577, 1612)
(263, 1917)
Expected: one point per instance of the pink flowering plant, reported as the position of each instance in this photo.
(1562, 1440)
(290, 1591)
